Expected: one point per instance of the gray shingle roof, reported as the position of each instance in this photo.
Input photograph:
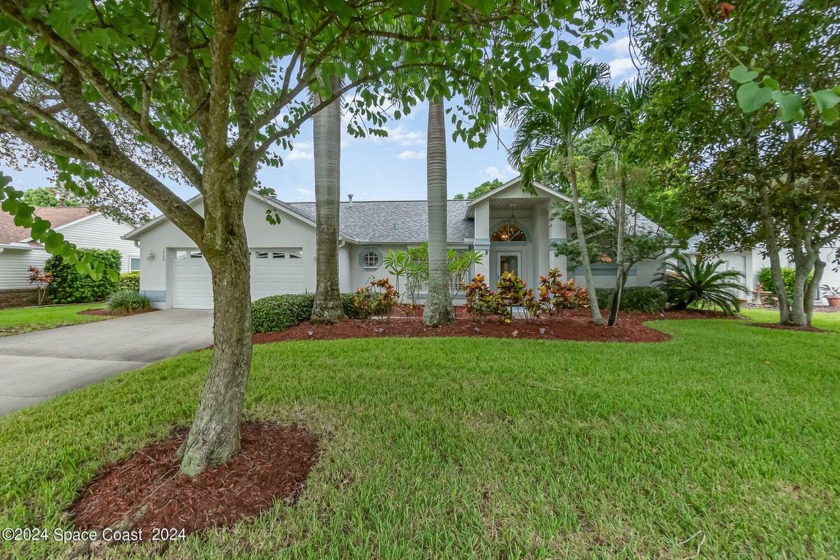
(393, 221)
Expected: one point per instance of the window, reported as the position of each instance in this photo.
(509, 232)
(134, 264)
(196, 255)
(261, 254)
(278, 255)
(296, 254)
(370, 258)
(181, 255)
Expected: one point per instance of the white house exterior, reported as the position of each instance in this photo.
(174, 273)
(85, 229)
(749, 263)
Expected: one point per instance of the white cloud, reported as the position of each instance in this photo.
(621, 67)
(411, 154)
(493, 172)
(618, 46)
(305, 194)
(301, 151)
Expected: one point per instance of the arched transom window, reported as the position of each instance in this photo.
(509, 232)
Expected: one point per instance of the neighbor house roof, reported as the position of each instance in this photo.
(57, 217)
(393, 221)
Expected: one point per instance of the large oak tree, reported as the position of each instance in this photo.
(200, 94)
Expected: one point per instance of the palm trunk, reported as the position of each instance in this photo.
(584, 250)
(327, 147)
(438, 310)
(214, 434)
(620, 276)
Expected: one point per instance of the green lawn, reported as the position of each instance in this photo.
(723, 440)
(18, 320)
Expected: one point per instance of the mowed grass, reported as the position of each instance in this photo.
(19, 320)
(722, 442)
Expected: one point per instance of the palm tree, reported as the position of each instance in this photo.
(627, 102)
(547, 129)
(327, 154)
(438, 310)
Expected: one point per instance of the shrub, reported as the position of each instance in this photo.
(701, 284)
(69, 286)
(126, 301)
(765, 278)
(277, 313)
(556, 295)
(378, 298)
(482, 302)
(130, 281)
(647, 299)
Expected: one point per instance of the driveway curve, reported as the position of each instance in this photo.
(40, 365)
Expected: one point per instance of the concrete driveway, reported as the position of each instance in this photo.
(40, 365)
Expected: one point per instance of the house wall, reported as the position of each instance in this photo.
(754, 262)
(99, 232)
(291, 232)
(14, 267)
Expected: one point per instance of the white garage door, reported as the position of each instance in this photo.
(273, 271)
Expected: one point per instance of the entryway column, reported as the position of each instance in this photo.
(557, 234)
(481, 242)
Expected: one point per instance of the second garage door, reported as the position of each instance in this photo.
(273, 271)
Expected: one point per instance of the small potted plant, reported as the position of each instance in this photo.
(832, 295)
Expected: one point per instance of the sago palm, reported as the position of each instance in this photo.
(548, 129)
(700, 284)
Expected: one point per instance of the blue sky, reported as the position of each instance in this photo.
(392, 168)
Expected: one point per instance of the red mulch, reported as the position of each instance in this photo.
(272, 464)
(788, 327)
(574, 325)
(107, 313)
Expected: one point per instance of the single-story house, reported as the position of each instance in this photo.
(84, 228)
(749, 263)
(513, 230)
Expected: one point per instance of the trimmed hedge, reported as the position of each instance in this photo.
(765, 278)
(130, 281)
(648, 299)
(278, 313)
(68, 286)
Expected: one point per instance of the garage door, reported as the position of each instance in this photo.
(273, 271)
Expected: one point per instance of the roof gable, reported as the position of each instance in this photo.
(57, 216)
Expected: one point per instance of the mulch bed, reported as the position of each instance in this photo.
(574, 325)
(107, 313)
(272, 464)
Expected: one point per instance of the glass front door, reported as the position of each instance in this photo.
(509, 262)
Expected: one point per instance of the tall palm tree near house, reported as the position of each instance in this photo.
(548, 129)
(438, 310)
(327, 155)
(627, 103)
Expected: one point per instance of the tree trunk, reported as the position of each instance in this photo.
(327, 148)
(620, 277)
(772, 244)
(438, 310)
(584, 250)
(214, 434)
(811, 291)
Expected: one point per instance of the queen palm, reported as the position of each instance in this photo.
(327, 156)
(548, 129)
(438, 310)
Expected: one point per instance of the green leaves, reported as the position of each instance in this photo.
(742, 74)
(826, 101)
(752, 96)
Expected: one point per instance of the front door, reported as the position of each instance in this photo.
(509, 261)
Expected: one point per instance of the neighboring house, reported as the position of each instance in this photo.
(86, 229)
(512, 229)
(749, 263)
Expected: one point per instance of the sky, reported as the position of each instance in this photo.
(392, 168)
